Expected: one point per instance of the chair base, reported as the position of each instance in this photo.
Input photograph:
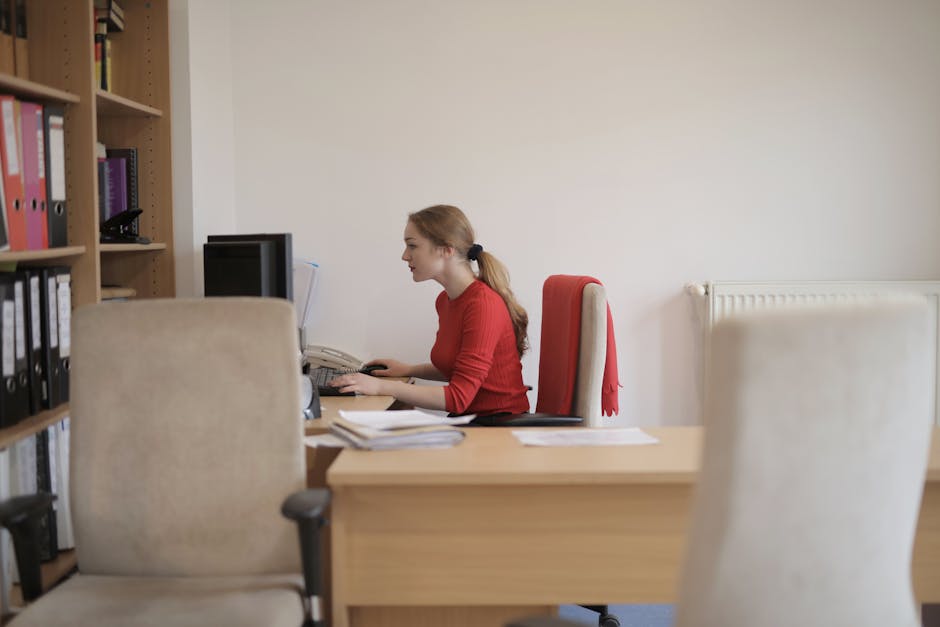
(604, 618)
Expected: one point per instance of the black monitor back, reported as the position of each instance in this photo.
(257, 264)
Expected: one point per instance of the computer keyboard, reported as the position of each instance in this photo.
(321, 375)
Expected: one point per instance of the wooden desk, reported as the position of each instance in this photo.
(472, 535)
(331, 405)
(319, 460)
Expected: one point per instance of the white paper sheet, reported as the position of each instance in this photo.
(401, 419)
(585, 437)
(326, 440)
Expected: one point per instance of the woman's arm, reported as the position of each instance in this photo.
(426, 396)
(395, 368)
(429, 372)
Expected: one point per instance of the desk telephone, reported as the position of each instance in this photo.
(321, 364)
(323, 356)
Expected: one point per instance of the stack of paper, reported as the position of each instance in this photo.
(397, 429)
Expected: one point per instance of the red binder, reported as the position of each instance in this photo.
(34, 176)
(12, 171)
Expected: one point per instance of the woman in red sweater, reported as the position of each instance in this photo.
(481, 327)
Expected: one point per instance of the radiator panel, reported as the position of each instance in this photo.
(728, 299)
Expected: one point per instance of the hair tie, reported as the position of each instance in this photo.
(474, 252)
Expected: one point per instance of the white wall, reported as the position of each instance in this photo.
(647, 144)
(203, 132)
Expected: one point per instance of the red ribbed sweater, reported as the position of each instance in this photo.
(476, 350)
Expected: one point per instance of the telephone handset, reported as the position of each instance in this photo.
(317, 356)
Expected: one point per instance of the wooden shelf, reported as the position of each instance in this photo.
(22, 87)
(131, 248)
(61, 50)
(109, 104)
(47, 254)
(110, 293)
(33, 424)
(52, 573)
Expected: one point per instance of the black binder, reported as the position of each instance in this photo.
(63, 276)
(14, 401)
(48, 530)
(49, 330)
(34, 340)
(53, 117)
(20, 333)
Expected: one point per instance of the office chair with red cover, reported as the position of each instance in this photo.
(578, 357)
(577, 365)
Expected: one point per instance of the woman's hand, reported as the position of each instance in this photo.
(393, 368)
(359, 383)
(427, 396)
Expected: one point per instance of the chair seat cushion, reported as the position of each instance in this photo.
(107, 601)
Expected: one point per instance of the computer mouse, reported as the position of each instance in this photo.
(372, 368)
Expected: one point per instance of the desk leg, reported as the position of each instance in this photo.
(340, 610)
(318, 462)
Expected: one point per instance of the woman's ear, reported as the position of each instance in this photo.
(447, 251)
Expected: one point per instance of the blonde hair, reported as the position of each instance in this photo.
(446, 225)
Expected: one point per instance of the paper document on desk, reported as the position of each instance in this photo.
(585, 437)
(401, 419)
(434, 435)
(325, 440)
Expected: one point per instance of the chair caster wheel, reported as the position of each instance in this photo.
(608, 620)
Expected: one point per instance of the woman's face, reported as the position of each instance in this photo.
(424, 258)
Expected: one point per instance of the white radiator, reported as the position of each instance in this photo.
(720, 300)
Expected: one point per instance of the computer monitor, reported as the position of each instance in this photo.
(257, 264)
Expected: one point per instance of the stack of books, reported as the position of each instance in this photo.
(388, 430)
(109, 18)
(117, 185)
(111, 14)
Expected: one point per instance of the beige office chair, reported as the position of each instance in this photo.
(816, 445)
(817, 439)
(186, 439)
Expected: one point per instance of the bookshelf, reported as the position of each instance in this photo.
(33, 424)
(115, 106)
(58, 255)
(132, 248)
(134, 113)
(52, 573)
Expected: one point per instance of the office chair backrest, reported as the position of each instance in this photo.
(592, 353)
(186, 435)
(558, 393)
(816, 442)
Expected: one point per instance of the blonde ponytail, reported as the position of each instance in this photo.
(493, 272)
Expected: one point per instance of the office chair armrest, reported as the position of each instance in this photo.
(527, 420)
(20, 515)
(308, 509)
(307, 505)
